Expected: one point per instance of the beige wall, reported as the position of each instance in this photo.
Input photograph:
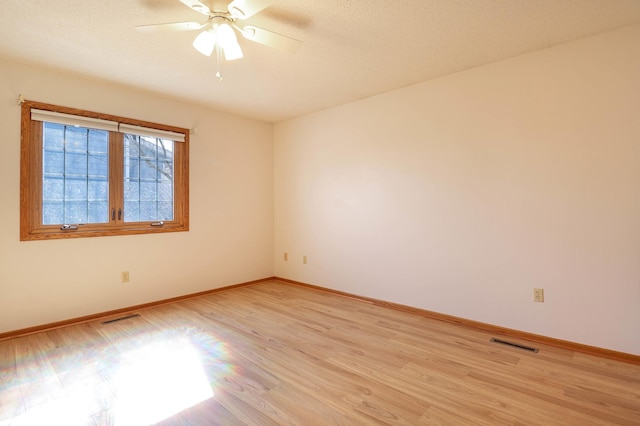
(462, 194)
(231, 237)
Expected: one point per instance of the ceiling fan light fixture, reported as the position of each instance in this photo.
(220, 29)
(233, 52)
(205, 42)
(226, 38)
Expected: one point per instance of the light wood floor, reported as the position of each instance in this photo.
(275, 353)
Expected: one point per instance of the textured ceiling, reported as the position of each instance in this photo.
(351, 49)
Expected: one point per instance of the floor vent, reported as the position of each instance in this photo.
(120, 319)
(515, 345)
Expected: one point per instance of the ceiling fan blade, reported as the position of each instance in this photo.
(269, 38)
(196, 5)
(172, 26)
(243, 9)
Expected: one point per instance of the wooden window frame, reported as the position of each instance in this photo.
(31, 179)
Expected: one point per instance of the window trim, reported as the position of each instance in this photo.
(31, 227)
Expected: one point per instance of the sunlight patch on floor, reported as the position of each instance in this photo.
(158, 381)
(66, 411)
(140, 380)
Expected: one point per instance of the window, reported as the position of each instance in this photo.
(87, 174)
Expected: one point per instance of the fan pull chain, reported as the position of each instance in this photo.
(218, 62)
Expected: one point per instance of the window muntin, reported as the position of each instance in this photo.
(80, 181)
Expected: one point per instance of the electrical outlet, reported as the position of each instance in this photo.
(304, 259)
(286, 256)
(538, 295)
(124, 276)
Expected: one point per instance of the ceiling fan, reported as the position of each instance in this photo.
(220, 28)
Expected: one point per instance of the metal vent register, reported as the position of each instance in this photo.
(515, 345)
(120, 318)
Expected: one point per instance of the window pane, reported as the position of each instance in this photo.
(52, 212)
(75, 211)
(53, 186)
(75, 163)
(96, 211)
(98, 190)
(98, 166)
(131, 191)
(75, 186)
(76, 139)
(98, 142)
(165, 209)
(147, 210)
(53, 160)
(132, 211)
(147, 190)
(53, 136)
(148, 179)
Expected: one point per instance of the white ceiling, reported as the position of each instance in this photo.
(351, 49)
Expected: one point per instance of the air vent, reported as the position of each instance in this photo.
(120, 319)
(515, 345)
